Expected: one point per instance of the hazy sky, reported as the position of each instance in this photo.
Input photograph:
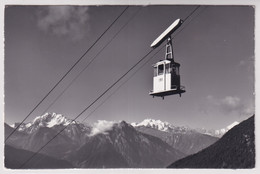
(215, 50)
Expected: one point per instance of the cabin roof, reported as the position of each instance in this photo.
(165, 62)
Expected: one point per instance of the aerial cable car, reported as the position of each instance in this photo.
(166, 80)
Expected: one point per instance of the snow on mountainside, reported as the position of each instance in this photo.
(162, 126)
(47, 120)
(44, 128)
(217, 133)
(157, 124)
(221, 132)
(125, 145)
(50, 120)
(232, 125)
(105, 144)
(167, 127)
(22, 127)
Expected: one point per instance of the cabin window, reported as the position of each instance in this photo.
(154, 71)
(160, 69)
(167, 69)
(177, 71)
(173, 70)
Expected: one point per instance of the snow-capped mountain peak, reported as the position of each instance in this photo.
(222, 131)
(22, 126)
(219, 132)
(12, 125)
(47, 120)
(232, 125)
(50, 120)
(156, 124)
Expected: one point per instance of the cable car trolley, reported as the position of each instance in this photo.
(166, 80)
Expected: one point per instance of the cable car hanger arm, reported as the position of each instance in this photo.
(167, 33)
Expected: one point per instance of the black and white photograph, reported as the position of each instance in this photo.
(129, 87)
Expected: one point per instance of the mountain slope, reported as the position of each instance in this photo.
(17, 139)
(15, 158)
(236, 149)
(58, 147)
(33, 135)
(98, 153)
(123, 146)
(184, 139)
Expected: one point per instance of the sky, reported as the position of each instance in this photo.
(215, 48)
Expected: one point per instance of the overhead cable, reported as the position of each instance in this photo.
(100, 96)
(66, 73)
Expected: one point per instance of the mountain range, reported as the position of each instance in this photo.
(123, 146)
(186, 140)
(120, 145)
(219, 132)
(148, 144)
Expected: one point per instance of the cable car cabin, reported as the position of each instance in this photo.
(166, 80)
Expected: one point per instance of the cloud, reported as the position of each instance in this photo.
(227, 105)
(69, 21)
(101, 127)
(230, 104)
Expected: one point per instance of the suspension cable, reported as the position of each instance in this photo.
(122, 84)
(73, 120)
(140, 66)
(67, 73)
(84, 69)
